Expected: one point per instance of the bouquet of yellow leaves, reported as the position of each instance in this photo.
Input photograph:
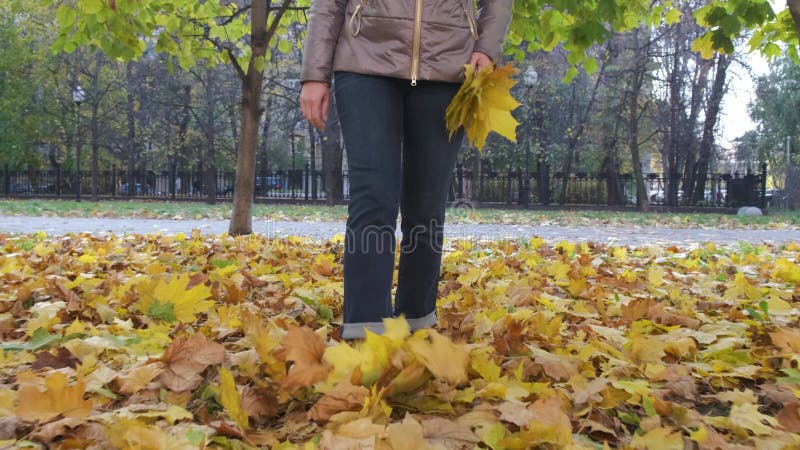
(483, 104)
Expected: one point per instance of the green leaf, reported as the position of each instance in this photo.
(259, 63)
(90, 6)
(104, 392)
(284, 46)
(65, 16)
(590, 64)
(572, 72)
(672, 16)
(39, 339)
(771, 50)
(195, 437)
(704, 45)
(792, 376)
(164, 312)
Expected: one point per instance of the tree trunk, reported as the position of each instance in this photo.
(712, 114)
(95, 151)
(642, 202)
(794, 9)
(241, 217)
(690, 142)
(232, 120)
(582, 123)
(263, 148)
(94, 126)
(132, 144)
(210, 132)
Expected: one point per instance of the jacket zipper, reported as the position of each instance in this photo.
(472, 27)
(355, 20)
(416, 43)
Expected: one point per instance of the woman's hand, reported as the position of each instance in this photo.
(480, 60)
(314, 99)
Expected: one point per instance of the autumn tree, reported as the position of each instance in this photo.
(191, 33)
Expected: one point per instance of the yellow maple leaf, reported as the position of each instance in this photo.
(786, 270)
(443, 358)
(187, 302)
(483, 104)
(131, 433)
(171, 300)
(549, 424)
(659, 439)
(136, 378)
(56, 399)
(230, 398)
(264, 336)
(742, 288)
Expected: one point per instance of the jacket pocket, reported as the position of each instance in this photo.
(473, 27)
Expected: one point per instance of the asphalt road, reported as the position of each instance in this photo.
(624, 235)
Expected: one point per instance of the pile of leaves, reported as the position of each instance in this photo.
(153, 341)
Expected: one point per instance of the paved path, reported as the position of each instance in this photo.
(628, 235)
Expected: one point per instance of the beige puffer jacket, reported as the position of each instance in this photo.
(409, 39)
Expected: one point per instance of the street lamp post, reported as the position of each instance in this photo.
(78, 97)
(291, 174)
(529, 79)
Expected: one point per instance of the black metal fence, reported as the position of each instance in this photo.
(486, 187)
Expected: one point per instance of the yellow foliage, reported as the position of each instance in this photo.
(483, 104)
(230, 399)
(57, 398)
(571, 338)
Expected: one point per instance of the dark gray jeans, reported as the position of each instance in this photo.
(398, 155)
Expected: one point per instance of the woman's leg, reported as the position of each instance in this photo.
(429, 157)
(371, 115)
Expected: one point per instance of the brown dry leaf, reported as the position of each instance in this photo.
(443, 358)
(343, 397)
(51, 431)
(515, 412)
(57, 398)
(590, 391)
(789, 417)
(678, 381)
(9, 426)
(636, 310)
(448, 434)
(411, 378)
(787, 339)
(358, 434)
(333, 441)
(136, 378)
(62, 358)
(549, 425)
(186, 358)
(259, 403)
(406, 435)
(305, 349)
(558, 367)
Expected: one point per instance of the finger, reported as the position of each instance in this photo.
(324, 109)
(304, 109)
(316, 114)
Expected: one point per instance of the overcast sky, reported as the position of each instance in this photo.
(735, 120)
